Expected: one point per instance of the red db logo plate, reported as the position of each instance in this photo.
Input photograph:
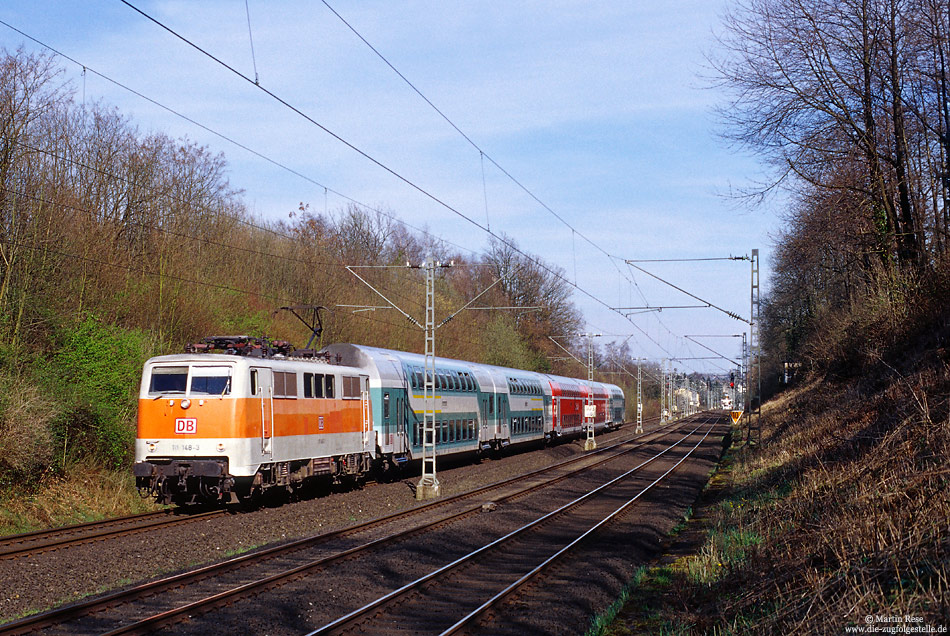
(186, 425)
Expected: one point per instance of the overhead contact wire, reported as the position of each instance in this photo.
(237, 144)
(363, 153)
(483, 155)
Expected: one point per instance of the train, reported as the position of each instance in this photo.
(235, 416)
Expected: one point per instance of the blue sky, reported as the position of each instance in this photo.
(599, 109)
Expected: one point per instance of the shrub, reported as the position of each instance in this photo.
(27, 443)
(96, 370)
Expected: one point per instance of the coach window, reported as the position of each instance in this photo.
(328, 386)
(254, 384)
(386, 405)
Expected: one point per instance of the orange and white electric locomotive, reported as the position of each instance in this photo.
(234, 417)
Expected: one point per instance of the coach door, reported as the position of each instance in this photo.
(402, 416)
(484, 403)
(262, 392)
(365, 412)
(502, 412)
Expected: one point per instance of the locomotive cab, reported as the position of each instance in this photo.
(219, 427)
(187, 421)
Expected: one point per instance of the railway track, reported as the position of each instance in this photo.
(30, 543)
(454, 597)
(224, 584)
(89, 616)
(36, 542)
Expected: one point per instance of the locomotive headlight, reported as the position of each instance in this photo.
(151, 448)
(220, 448)
(185, 403)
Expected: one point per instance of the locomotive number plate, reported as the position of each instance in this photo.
(186, 425)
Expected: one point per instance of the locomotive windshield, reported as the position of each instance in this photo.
(168, 380)
(211, 380)
(194, 380)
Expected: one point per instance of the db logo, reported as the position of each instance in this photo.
(186, 426)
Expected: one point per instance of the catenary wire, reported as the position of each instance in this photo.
(362, 153)
(238, 144)
(451, 123)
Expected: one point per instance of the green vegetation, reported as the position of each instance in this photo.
(601, 623)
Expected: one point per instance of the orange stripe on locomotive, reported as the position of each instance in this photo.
(242, 417)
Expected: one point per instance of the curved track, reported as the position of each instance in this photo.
(30, 543)
(456, 595)
(241, 575)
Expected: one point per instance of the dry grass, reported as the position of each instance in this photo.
(26, 418)
(842, 512)
(87, 493)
